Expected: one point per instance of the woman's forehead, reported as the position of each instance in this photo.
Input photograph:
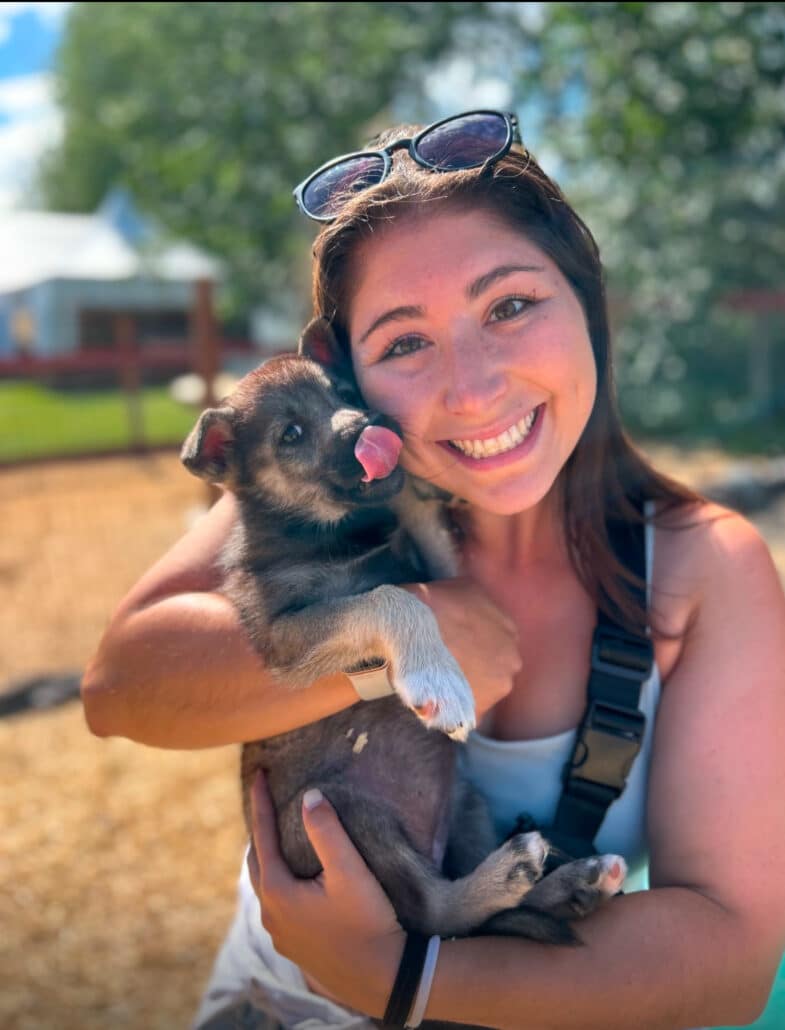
(409, 259)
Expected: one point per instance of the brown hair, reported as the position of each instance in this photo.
(606, 477)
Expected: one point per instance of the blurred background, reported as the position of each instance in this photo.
(150, 250)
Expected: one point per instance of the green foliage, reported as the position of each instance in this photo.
(669, 119)
(211, 112)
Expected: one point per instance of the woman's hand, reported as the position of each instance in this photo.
(339, 927)
(480, 636)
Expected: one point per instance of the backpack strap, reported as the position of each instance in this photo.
(611, 732)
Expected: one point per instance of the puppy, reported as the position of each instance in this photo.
(329, 527)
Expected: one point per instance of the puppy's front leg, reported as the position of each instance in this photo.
(385, 624)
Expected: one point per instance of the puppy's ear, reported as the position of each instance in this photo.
(319, 343)
(208, 451)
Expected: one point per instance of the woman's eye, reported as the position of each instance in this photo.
(404, 345)
(509, 308)
(292, 434)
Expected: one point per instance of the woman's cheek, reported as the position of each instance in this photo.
(401, 397)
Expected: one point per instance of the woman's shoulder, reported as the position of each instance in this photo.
(704, 541)
(712, 568)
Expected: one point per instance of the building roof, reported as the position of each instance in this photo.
(39, 245)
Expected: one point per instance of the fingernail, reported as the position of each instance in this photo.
(312, 798)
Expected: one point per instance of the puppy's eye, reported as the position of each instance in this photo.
(292, 434)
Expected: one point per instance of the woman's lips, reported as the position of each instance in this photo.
(495, 461)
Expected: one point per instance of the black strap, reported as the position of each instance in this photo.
(611, 731)
(407, 981)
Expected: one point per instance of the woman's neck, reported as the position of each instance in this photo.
(519, 541)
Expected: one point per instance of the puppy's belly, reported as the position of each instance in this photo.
(377, 750)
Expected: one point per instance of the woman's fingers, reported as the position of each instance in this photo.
(344, 905)
(265, 861)
(335, 850)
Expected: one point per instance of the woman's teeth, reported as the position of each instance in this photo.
(505, 441)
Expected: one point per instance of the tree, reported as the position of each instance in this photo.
(210, 113)
(669, 119)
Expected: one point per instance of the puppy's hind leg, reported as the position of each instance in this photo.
(424, 900)
(571, 892)
(472, 836)
(577, 888)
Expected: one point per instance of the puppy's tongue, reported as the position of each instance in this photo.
(377, 450)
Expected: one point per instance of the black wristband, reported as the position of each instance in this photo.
(407, 981)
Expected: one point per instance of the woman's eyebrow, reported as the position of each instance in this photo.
(474, 289)
(393, 315)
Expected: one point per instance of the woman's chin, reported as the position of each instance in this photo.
(510, 494)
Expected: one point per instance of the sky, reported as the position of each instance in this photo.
(29, 120)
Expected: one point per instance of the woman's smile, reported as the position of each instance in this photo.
(512, 443)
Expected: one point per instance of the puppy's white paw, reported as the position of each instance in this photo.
(612, 871)
(440, 696)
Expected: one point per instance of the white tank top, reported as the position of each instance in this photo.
(525, 775)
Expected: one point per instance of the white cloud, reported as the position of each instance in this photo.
(25, 95)
(35, 125)
(30, 122)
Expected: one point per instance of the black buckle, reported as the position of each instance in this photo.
(608, 741)
(621, 655)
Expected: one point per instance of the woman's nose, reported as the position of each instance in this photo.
(475, 382)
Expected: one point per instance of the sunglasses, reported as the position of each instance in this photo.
(463, 141)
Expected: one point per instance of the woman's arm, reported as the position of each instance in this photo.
(703, 945)
(176, 669)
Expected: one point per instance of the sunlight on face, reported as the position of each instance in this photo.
(470, 336)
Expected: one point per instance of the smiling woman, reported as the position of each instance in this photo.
(470, 300)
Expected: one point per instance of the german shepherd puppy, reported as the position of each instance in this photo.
(328, 527)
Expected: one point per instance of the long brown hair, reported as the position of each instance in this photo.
(605, 478)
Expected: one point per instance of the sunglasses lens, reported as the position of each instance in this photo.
(326, 194)
(464, 142)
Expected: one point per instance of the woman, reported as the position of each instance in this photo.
(471, 298)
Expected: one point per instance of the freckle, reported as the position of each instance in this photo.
(360, 743)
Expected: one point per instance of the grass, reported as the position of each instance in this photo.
(38, 421)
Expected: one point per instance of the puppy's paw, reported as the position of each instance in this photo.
(577, 888)
(506, 877)
(524, 857)
(440, 696)
(611, 872)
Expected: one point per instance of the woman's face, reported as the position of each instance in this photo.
(467, 334)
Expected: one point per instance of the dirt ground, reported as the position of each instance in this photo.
(118, 862)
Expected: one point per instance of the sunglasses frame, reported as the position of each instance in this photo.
(411, 145)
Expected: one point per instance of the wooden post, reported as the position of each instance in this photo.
(130, 379)
(206, 358)
(206, 339)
